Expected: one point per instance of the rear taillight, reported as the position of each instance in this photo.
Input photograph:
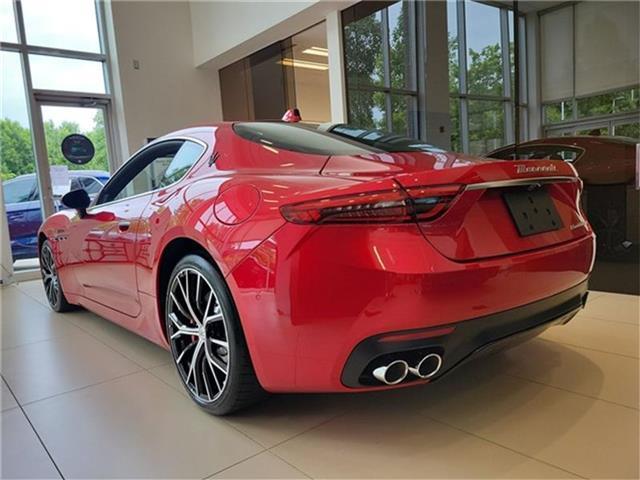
(388, 206)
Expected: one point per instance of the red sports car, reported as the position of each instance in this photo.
(271, 257)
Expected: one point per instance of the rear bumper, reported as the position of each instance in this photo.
(308, 296)
(458, 342)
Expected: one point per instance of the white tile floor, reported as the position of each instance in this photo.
(83, 398)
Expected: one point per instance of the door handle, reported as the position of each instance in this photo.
(124, 226)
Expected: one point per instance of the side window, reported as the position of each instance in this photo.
(540, 152)
(75, 184)
(18, 191)
(91, 185)
(149, 178)
(158, 166)
(188, 154)
(567, 155)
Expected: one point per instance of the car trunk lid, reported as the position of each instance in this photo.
(503, 207)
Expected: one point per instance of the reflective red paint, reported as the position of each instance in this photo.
(307, 294)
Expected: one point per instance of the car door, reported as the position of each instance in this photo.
(23, 215)
(104, 240)
(158, 211)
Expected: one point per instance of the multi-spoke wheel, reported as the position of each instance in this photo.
(52, 286)
(206, 339)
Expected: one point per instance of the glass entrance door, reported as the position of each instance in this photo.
(61, 121)
(22, 192)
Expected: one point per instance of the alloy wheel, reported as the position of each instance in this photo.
(198, 335)
(49, 275)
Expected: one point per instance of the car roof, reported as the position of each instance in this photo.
(72, 173)
(575, 140)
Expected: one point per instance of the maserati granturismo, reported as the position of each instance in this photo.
(276, 257)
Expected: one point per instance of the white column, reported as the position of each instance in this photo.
(533, 76)
(6, 261)
(337, 82)
(436, 71)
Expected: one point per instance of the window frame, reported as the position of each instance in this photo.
(32, 188)
(389, 91)
(575, 121)
(462, 96)
(141, 156)
(37, 97)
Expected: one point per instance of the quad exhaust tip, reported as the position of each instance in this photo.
(393, 373)
(397, 371)
(428, 366)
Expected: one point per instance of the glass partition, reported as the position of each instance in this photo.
(380, 63)
(17, 164)
(292, 73)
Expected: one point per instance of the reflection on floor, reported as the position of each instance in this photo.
(82, 397)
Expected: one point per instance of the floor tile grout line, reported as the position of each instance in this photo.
(111, 347)
(592, 317)
(226, 422)
(45, 304)
(588, 348)
(118, 377)
(15, 400)
(77, 389)
(291, 464)
(235, 464)
(31, 297)
(480, 437)
(600, 294)
(265, 447)
(8, 349)
(537, 382)
(55, 465)
(88, 332)
(324, 422)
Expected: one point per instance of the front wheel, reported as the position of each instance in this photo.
(207, 342)
(51, 280)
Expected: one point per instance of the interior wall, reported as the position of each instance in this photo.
(225, 31)
(165, 92)
(312, 95)
(221, 26)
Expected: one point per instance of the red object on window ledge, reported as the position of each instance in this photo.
(292, 115)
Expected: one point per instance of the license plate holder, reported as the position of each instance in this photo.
(532, 210)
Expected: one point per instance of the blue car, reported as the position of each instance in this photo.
(22, 202)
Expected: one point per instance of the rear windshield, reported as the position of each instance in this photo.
(299, 138)
(380, 139)
(540, 152)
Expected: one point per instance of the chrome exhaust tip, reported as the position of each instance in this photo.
(428, 366)
(393, 373)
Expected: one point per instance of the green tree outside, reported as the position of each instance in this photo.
(16, 150)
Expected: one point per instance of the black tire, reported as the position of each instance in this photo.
(240, 387)
(51, 281)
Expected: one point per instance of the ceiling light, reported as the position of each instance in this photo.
(321, 52)
(290, 62)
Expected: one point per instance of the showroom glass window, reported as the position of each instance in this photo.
(380, 63)
(48, 54)
(292, 73)
(482, 76)
(589, 69)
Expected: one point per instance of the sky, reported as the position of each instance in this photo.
(483, 24)
(69, 24)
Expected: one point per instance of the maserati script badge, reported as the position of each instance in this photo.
(536, 168)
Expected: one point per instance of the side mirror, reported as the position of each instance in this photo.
(78, 200)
